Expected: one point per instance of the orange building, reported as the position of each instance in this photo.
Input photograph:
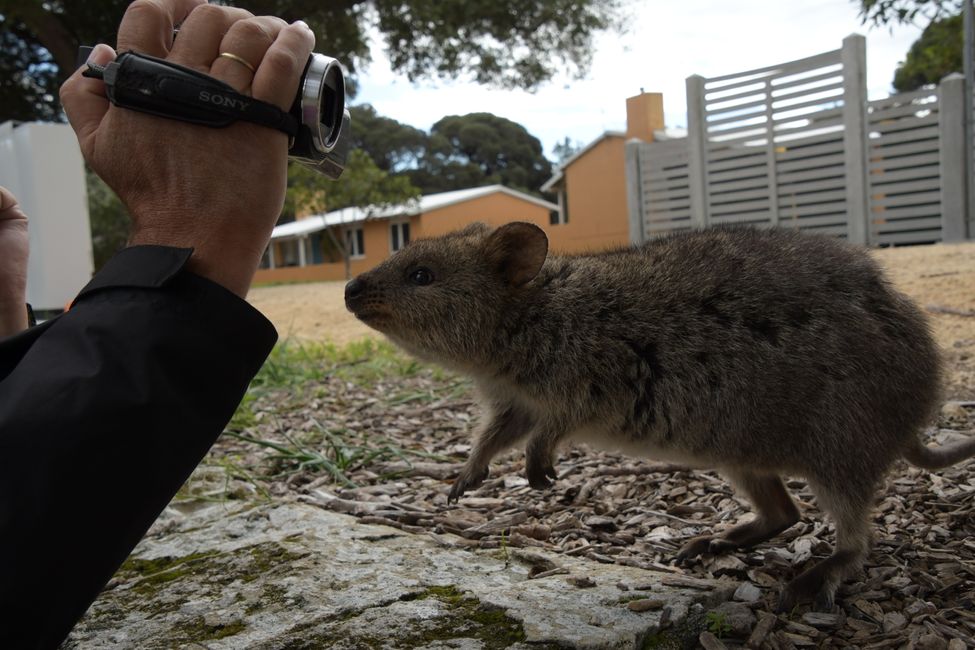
(591, 213)
(591, 185)
(309, 249)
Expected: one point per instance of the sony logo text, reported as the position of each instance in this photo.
(222, 100)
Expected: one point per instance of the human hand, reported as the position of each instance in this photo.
(13, 265)
(217, 190)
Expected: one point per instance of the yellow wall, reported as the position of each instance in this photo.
(595, 184)
(644, 115)
(494, 209)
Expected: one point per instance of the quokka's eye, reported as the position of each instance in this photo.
(421, 277)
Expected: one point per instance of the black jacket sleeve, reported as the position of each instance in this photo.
(104, 413)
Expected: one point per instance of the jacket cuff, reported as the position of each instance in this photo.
(145, 267)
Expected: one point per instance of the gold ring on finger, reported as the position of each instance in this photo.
(240, 60)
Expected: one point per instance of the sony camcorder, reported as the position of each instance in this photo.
(318, 123)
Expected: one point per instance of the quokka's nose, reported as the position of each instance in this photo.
(354, 289)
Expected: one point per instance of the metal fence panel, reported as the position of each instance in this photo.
(797, 145)
(904, 180)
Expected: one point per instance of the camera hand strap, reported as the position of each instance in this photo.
(145, 83)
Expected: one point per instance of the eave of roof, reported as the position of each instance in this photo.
(426, 203)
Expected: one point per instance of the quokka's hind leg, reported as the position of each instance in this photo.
(849, 507)
(539, 457)
(774, 512)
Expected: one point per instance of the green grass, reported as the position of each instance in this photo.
(336, 457)
(297, 372)
(717, 624)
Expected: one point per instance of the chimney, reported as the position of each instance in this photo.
(644, 115)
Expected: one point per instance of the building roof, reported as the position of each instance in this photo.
(426, 203)
(552, 182)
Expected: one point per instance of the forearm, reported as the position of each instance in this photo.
(13, 314)
(228, 259)
(113, 404)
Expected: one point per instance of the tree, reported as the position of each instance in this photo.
(883, 12)
(566, 149)
(362, 184)
(508, 43)
(935, 54)
(26, 78)
(481, 149)
(391, 145)
(108, 218)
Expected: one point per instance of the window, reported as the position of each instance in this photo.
(355, 242)
(399, 235)
(560, 216)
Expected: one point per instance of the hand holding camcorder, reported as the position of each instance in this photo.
(317, 123)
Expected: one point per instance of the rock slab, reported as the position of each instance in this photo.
(293, 575)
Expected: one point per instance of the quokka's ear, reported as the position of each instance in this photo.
(518, 249)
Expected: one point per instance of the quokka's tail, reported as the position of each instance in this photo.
(921, 455)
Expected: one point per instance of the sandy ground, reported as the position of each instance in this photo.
(941, 278)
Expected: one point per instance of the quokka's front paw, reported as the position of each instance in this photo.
(696, 546)
(539, 472)
(469, 479)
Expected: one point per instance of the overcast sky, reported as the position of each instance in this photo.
(667, 41)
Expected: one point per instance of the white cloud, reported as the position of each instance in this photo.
(665, 43)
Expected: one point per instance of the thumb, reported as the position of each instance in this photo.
(84, 99)
(9, 209)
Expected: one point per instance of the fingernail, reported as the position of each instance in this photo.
(101, 54)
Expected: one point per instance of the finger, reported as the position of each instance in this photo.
(276, 79)
(84, 99)
(147, 25)
(200, 35)
(9, 208)
(248, 40)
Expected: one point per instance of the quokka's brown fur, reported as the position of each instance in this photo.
(760, 353)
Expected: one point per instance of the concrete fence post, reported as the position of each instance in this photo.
(855, 138)
(697, 141)
(954, 158)
(634, 192)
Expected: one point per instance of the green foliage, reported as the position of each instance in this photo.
(717, 624)
(935, 54)
(361, 184)
(108, 218)
(39, 40)
(883, 12)
(26, 78)
(504, 42)
(391, 145)
(332, 454)
(481, 149)
(566, 149)
(294, 368)
(294, 364)
(508, 43)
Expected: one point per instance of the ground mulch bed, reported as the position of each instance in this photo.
(385, 447)
(916, 589)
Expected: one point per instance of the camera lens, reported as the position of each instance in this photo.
(323, 101)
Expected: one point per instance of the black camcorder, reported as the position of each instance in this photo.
(318, 123)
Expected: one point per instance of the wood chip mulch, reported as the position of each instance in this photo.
(916, 589)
